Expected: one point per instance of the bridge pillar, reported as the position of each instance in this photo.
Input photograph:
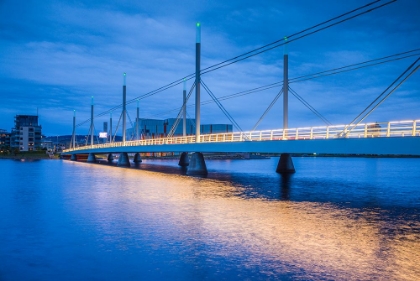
(197, 82)
(110, 158)
(184, 160)
(123, 160)
(91, 158)
(124, 113)
(73, 157)
(197, 165)
(137, 158)
(285, 165)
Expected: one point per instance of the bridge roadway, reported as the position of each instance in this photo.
(390, 138)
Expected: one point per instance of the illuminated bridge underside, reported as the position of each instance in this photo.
(380, 146)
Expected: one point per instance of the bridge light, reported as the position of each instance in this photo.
(285, 45)
(198, 35)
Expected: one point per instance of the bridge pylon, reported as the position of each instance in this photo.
(285, 87)
(92, 127)
(197, 82)
(124, 111)
(73, 136)
(285, 165)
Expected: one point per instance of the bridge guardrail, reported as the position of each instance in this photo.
(366, 130)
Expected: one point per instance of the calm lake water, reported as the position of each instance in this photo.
(335, 219)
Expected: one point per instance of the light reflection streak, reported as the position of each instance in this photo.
(318, 238)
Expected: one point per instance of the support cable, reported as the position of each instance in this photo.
(268, 109)
(355, 66)
(178, 118)
(221, 107)
(310, 77)
(260, 50)
(132, 126)
(310, 107)
(366, 112)
(116, 129)
(251, 54)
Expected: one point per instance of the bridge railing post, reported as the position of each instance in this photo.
(297, 134)
(312, 133)
(388, 131)
(328, 132)
(271, 135)
(414, 128)
(366, 127)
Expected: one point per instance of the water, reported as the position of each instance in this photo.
(335, 219)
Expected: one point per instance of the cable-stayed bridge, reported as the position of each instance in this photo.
(398, 138)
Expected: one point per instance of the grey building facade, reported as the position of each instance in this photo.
(26, 134)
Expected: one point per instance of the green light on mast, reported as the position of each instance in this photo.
(285, 45)
(198, 35)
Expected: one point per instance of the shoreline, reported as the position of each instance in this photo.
(29, 157)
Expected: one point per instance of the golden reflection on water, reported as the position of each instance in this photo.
(318, 238)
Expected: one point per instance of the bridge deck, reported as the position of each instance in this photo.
(391, 138)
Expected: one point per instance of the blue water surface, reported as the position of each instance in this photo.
(63, 220)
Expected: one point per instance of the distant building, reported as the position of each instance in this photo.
(26, 135)
(4, 138)
(47, 145)
(154, 128)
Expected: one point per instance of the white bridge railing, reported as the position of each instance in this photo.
(366, 130)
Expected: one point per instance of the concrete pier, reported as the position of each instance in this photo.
(184, 161)
(110, 158)
(123, 160)
(73, 157)
(91, 158)
(137, 158)
(197, 165)
(285, 165)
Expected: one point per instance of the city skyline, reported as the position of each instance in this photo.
(57, 55)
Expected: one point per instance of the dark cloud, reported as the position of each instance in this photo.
(55, 55)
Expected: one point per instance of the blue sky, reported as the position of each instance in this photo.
(55, 55)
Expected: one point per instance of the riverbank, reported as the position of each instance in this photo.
(37, 155)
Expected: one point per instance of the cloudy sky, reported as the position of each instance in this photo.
(55, 55)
